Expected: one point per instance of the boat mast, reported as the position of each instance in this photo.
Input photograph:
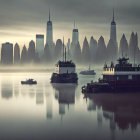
(65, 54)
(63, 48)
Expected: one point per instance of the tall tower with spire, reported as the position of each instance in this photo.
(49, 35)
(113, 36)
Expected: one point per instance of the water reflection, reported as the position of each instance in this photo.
(65, 94)
(122, 110)
(6, 89)
(49, 103)
(39, 96)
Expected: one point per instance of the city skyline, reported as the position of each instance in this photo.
(95, 22)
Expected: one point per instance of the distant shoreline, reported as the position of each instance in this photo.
(25, 70)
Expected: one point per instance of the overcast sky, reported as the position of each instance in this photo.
(21, 20)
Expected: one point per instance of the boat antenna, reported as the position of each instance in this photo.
(63, 48)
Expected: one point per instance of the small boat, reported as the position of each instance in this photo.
(29, 82)
(88, 72)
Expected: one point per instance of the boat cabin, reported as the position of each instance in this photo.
(65, 67)
(121, 71)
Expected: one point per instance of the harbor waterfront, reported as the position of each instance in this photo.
(61, 111)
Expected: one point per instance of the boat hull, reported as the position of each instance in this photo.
(88, 72)
(64, 78)
(28, 83)
(112, 86)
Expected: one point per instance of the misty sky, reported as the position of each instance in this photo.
(21, 20)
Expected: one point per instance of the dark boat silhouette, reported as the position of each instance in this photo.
(29, 82)
(121, 77)
(65, 71)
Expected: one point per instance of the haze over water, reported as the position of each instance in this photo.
(61, 111)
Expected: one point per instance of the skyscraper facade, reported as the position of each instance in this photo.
(16, 54)
(75, 36)
(113, 30)
(112, 47)
(49, 35)
(40, 45)
(7, 53)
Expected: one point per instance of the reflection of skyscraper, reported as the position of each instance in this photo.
(49, 35)
(121, 110)
(40, 45)
(6, 90)
(39, 98)
(49, 107)
(7, 53)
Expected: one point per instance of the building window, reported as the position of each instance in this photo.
(129, 77)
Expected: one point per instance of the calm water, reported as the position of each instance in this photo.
(62, 112)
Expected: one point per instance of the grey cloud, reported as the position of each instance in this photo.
(31, 11)
(87, 13)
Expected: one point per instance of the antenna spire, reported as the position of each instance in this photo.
(113, 15)
(74, 24)
(49, 15)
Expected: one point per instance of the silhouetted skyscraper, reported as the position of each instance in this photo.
(113, 29)
(31, 51)
(93, 49)
(85, 52)
(75, 36)
(101, 51)
(47, 54)
(58, 49)
(112, 47)
(49, 35)
(40, 45)
(24, 55)
(7, 53)
(123, 50)
(75, 50)
(133, 47)
(16, 54)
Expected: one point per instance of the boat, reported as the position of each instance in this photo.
(65, 71)
(88, 72)
(29, 82)
(121, 77)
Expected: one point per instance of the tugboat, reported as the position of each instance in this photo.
(65, 71)
(88, 72)
(121, 77)
(29, 82)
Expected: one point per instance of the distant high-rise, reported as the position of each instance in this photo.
(74, 44)
(113, 29)
(7, 53)
(31, 51)
(40, 45)
(75, 36)
(24, 55)
(16, 54)
(112, 47)
(49, 35)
